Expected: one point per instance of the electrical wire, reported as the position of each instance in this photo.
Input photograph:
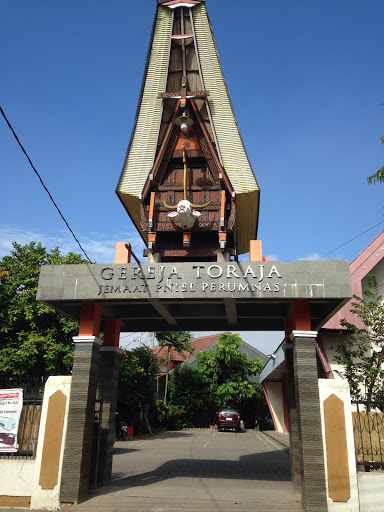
(41, 181)
(351, 240)
(74, 236)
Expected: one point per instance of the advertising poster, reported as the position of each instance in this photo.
(11, 403)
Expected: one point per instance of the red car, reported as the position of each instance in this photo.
(229, 418)
(7, 438)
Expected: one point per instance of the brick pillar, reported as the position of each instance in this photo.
(109, 372)
(110, 355)
(311, 451)
(292, 412)
(78, 446)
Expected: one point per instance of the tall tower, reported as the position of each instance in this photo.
(187, 182)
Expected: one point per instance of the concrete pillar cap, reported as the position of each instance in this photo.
(87, 339)
(303, 334)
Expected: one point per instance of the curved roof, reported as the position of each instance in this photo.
(144, 140)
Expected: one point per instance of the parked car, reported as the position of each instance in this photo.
(228, 418)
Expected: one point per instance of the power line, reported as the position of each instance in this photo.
(41, 181)
(351, 240)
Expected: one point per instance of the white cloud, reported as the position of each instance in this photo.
(273, 257)
(311, 257)
(100, 247)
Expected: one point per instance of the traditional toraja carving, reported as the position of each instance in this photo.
(196, 150)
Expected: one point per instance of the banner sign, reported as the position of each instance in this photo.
(11, 403)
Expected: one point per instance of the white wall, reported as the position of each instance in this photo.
(49, 499)
(340, 388)
(371, 491)
(275, 396)
(16, 477)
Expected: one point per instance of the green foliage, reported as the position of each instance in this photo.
(361, 355)
(167, 415)
(379, 175)
(225, 370)
(138, 372)
(189, 394)
(174, 340)
(34, 339)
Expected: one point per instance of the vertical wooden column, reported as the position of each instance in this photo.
(311, 451)
(78, 446)
(110, 355)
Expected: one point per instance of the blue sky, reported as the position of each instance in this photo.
(306, 80)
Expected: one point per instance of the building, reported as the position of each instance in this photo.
(369, 261)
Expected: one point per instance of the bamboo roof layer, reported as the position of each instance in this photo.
(231, 146)
(143, 144)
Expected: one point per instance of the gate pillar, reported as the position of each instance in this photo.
(110, 355)
(311, 451)
(78, 446)
(292, 410)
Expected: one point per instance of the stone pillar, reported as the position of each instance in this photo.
(109, 372)
(78, 446)
(110, 355)
(292, 412)
(311, 452)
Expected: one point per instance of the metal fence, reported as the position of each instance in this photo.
(29, 424)
(368, 431)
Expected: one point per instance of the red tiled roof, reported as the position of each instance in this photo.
(198, 343)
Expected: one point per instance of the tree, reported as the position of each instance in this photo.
(379, 175)
(226, 370)
(188, 394)
(361, 355)
(138, 371)
(174, 340)
(34, 339)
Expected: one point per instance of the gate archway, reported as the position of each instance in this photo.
(255, 295)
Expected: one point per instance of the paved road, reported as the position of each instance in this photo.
(198, 470)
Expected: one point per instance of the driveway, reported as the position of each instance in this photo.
(198, 470)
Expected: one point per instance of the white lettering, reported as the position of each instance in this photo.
(198, 268)
(122, 272)
(174, 273)
(219, 274)
(231, 271)
(243, 288)
(109, 275)
(274, 271)
(151, 273)
(136, 271)
(204, 287)
(249, 271)
(267, 288)
(161, 273)
(277, 287)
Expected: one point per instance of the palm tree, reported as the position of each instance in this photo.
(174, 340)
